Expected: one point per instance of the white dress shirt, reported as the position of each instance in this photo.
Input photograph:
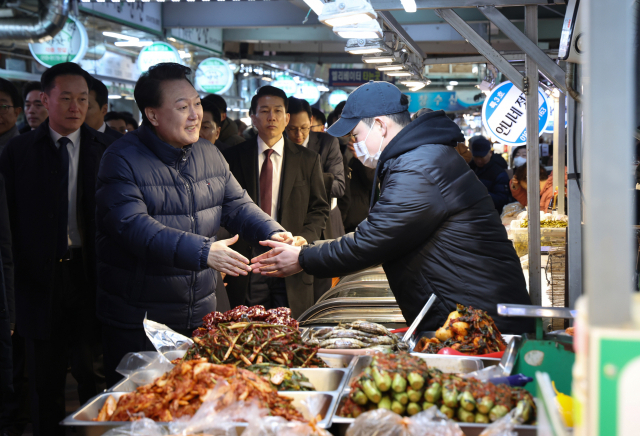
(276, 160)
(103, 127)
(305, 144)
(74, 160)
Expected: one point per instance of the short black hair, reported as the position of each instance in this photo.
(217, 100)
(402, 118)
(48, 79)
(297, 105)
(208, 106)
(254, 103)
(128, 119)
(148, 90)
(318, 115)
(30, 86)
(515, 151)
(332, 118)
(11, 90)
(102, 93)
(266, 91)
(339, 108)
(521, 173)
(113, 115)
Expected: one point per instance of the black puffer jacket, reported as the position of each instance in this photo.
(158, 211)
(434, 229)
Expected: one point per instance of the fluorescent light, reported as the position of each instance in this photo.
(183, 54)
(346, 12)
(409, 5)
(115, 97)
(398, 73)
(364, 50)
(449, 88)
(266, 79)
(323, 88)
(368, 30)
(129, 97)
(316, 5)
(418, 87)
(120, 36)
(85, 1)
(378, 59)
(132, 43)
(453, 83)
(411, 83)
(172, 39)
(390, 68)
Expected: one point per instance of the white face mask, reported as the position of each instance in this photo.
(519, 161)
(362, 152)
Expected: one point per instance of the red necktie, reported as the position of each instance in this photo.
(266, 183)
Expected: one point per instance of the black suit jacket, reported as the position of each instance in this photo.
(328, 148)
(303, 210)
(29, 166)
(112, 133)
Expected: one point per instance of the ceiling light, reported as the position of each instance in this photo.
(369, 30)
(132, 43)
(412, 83)
(183, 54)
(172, 39)
(363, 50)
(316, 5)
(409, 5)
(246, 74)
(398, 73)
(323, 88)
(378, 59)
(390, 68)
(266, 79)
(129, 97)
(453, 83)
(418, 87)
(346, 12)
(114, 97)
(120, 36)
(449, 88)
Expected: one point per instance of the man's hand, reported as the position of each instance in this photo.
(227, 261)
(285, 237)
(299, 241)
(280, 261)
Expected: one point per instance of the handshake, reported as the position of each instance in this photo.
(280, 261)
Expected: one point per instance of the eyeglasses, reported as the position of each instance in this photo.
(317, 125)
(294, 130)
(5, 108)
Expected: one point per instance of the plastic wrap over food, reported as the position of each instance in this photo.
(430, 422)
(504, 426)
(164, 339)
(142, 427)
(213, 421)
(143, 367)
(277, 426)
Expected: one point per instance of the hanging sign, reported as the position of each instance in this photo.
(214, 76)
(146, 16)
(336, 97)
(157, 53)
(287, 84)
(69, 45)
(504, 114)
(308, 91)
(442, 100)
(209, 38)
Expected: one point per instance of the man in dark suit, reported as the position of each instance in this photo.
(50, 176)
(98, 108)
(228, 128)
(299, 131)
(285, 180)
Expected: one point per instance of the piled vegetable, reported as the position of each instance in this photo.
(279, 316)
(282, 378)
(181, 391)
(249, 343)
(358, 334)
(405, 385)
(467, 330)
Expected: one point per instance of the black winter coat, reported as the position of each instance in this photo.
(158, 211)
(29, 164)
(434, 230)
(7, 307)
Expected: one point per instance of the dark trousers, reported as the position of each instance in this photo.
(14, 415)
(117, 342)
(267, 291)
(72, 323)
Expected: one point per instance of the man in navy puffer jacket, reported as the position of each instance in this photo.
(162, 193)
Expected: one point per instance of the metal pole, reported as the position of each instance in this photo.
(533, 159)
(559, 149)
(574, 194)
(608, 101)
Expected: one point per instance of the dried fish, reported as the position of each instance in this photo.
(370, 327)
(342, 343)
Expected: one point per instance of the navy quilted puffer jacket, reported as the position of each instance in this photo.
(158, 211)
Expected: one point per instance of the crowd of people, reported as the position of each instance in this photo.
(104, 221)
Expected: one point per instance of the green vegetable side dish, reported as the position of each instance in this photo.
(465, 400)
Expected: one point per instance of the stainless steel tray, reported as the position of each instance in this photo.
(322, 379)
(82, 418)
(431, 334)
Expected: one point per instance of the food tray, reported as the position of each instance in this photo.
(322, 379)
(431, 334)
(341, 424)
(82, 418)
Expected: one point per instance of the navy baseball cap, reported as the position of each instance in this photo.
(370, 100)
(481, 147)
